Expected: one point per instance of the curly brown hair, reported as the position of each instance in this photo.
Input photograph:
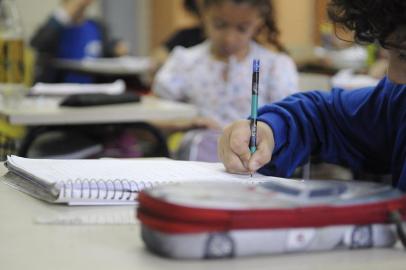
(371, 20)
(270, 28)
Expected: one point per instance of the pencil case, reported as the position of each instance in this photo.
(96, 99)
(204, 220)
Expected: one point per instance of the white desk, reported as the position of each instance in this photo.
(46, 112)
(25, 244)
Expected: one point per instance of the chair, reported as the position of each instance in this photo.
(92, 141)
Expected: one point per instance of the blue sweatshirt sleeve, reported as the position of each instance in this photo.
(341, 127)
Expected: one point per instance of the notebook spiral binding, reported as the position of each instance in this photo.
(98, 189)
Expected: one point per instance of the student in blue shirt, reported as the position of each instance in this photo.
(363, 129)
(68, 34)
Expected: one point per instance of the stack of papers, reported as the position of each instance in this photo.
(63, 89)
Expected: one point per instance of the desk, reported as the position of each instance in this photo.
(135, 71)
(29, 245)
(46, 111)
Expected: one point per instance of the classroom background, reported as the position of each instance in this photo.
(323, 60)
(35, 125)
(146, 23)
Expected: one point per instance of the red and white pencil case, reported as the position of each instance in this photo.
(222, 219)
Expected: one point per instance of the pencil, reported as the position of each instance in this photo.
(254, 106)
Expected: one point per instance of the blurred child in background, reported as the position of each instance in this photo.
(68, 34)
(216, 75)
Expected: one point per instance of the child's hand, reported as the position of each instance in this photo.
(233, 147)
(120, 49)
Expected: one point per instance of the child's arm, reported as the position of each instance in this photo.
(344, 127)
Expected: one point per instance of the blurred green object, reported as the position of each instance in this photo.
(12, 73)
(372, 50)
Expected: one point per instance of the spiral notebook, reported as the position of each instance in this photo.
(108, 181)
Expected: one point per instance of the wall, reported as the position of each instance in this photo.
(34, 12)
(166, 17)
(129, 20)
(297, 24)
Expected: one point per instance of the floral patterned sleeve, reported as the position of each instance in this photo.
(170, 81)
(285, 78)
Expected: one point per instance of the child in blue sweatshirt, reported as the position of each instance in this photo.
(69, 34)
(363, 129)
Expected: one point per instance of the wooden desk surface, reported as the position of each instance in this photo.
(45, 111)
(37, 235)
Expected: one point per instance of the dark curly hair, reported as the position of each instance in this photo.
(371, 20)
(270, 28)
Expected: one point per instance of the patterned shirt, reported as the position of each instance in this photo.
(222, 90)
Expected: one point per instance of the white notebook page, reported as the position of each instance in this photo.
(147, 170)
